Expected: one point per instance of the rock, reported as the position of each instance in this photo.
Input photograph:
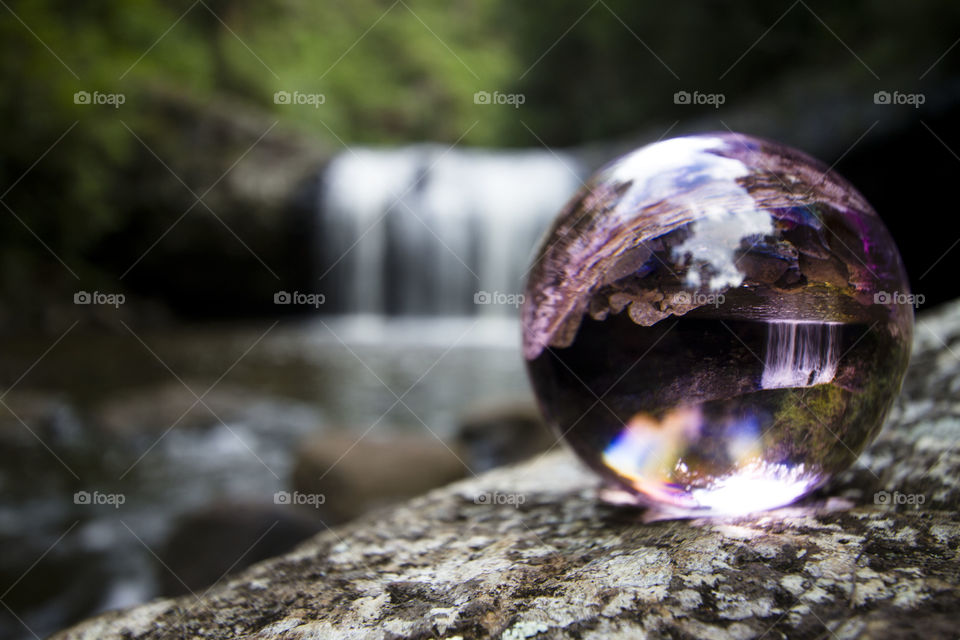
(528, 551)
(49, 416)
(502, 432)
(32, 423)
(46, 595)
(355, 475)
(149, 411)
(208, 543)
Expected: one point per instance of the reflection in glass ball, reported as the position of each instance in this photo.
(717, 324)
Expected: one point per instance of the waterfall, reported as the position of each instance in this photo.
(422, 229)
(800, 354)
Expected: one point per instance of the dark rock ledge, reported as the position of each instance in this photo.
(455, 563)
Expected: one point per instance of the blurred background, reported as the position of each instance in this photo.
(260, 261)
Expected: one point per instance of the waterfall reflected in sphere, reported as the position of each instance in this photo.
(709, 325)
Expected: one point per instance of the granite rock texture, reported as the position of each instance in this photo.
(528, 552)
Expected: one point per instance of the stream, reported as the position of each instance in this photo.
(105, 442)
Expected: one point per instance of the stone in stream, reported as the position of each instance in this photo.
(150, 411)
(49, 416)
(208, 544)
(355, 473)
(499, 432)
(529, 551)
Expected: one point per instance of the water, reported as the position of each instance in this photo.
(103, 404)
(419, 230)
(800, 354)
(421, 253)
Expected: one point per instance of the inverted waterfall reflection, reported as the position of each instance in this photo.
(800, 354)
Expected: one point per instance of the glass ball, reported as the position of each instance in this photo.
(717, 324)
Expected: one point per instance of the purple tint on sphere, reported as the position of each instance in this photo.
(717, 324)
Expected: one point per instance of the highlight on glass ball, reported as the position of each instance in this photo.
(714, 324)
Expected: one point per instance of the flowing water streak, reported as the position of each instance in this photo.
(420, 230)
(800, 354)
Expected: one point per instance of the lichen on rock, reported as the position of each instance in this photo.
(529, 552)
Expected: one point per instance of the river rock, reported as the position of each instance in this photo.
(207, 544)
(153, 410)
(501, 432)
(528, 552)
(355, 474)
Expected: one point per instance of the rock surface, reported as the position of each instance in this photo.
(498, 432)
(527, 551)
(357, 476)
(225, 538)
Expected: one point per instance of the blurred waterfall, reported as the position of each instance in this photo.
(420, 230)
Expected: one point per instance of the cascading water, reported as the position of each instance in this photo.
(421, 230)
(800, 354)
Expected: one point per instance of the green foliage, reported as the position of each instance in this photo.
(615, 72)
(390, 72)
(387, 75)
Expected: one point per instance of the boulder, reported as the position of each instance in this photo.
(210, 543)
(355, 474)
(147, 412)
(500, 432)
(528, 551)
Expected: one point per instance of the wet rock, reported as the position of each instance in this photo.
(502, 432)
(528, 551)
(48, 594)
(33, 423)
(210, 544)
(48, 416)
(356, 474)
(153, 410)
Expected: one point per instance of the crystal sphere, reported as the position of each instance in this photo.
(717, 324)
